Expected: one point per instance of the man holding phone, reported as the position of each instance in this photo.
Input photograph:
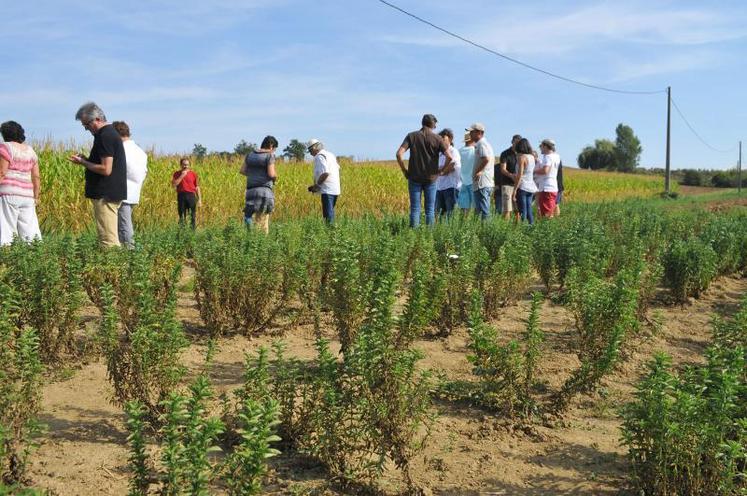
(106, 172)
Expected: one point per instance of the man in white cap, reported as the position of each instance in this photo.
(482, 175)
(326, 178)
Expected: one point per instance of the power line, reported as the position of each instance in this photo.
(718, 150)
(516, 61)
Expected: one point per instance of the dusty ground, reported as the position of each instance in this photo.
(470, 452)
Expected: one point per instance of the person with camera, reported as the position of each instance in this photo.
(326, 178)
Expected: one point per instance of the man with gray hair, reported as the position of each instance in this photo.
(326, 178)
(106, 172)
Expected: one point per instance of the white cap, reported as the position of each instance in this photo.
(312, 142)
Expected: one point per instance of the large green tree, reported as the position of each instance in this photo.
(599, 156)
(627, 149)
(295, 150)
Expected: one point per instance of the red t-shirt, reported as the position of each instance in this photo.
(188, 184)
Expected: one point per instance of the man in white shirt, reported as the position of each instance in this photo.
(482, 175)
(326, 178)
(449, 180)
(137, 168)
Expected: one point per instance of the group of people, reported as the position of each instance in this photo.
(447, 178)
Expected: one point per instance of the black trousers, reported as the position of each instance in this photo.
(186, 202)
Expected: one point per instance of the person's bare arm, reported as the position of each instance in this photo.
(449, 165)
(520, 172)
(103, 169)
(178, 180)
(505, 172)
(401, 158)
(36, 181)
(199, 195)
(271, 172)
(480, 167)
(243, 171)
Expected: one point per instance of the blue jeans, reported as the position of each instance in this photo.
(328, 207)
(482, 202)
(429, 192)
(524, 203)
(446, 200)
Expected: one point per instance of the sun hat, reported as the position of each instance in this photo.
(477, 126)
(312, 142)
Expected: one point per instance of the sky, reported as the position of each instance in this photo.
(359, 75)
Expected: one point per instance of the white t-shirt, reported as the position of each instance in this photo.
(482, 150)
(454, 178)
(526, 181)
(548, 182)
(137, 168)
(325, 161)
(467, 157)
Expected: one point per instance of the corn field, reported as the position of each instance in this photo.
(375, 188)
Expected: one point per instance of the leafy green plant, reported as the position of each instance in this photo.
(506, 372)
(605, 312)
(689, 268)
(143, 361)
(20, 390)
(46, 277)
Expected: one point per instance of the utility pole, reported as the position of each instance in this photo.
(739, 170)
(669, 136)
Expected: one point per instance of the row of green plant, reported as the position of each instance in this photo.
(686, 430)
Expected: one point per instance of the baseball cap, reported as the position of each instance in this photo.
(311, 143)
(548, 143)
(477, 126)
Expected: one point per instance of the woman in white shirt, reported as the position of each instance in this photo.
(546, 173)
(525, 188)
(449, 180)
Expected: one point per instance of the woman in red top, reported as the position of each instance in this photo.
(188, 195)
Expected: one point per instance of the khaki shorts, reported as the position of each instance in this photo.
(105, 213)
(507, 204)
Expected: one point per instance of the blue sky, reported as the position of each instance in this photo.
(358, 75)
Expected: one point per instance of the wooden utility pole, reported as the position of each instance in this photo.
(669, 136)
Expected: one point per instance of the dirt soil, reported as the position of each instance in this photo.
(470, 451)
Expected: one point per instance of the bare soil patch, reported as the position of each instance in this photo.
(470, 451)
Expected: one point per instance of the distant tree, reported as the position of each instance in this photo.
(692, 178)
(244, 148)
(199, 151)
(600, 156)
(627, 149)
(295, 150)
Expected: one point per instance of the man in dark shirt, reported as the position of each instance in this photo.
(507, 174)
(422, 167)
(106, 172)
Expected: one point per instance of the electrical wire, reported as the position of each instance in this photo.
(697, 135)
(516, 61)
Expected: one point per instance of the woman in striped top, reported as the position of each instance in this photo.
(19, 186)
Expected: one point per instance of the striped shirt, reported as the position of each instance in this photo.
(22, 160)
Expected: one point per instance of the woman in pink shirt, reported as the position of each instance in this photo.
(19, 186)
